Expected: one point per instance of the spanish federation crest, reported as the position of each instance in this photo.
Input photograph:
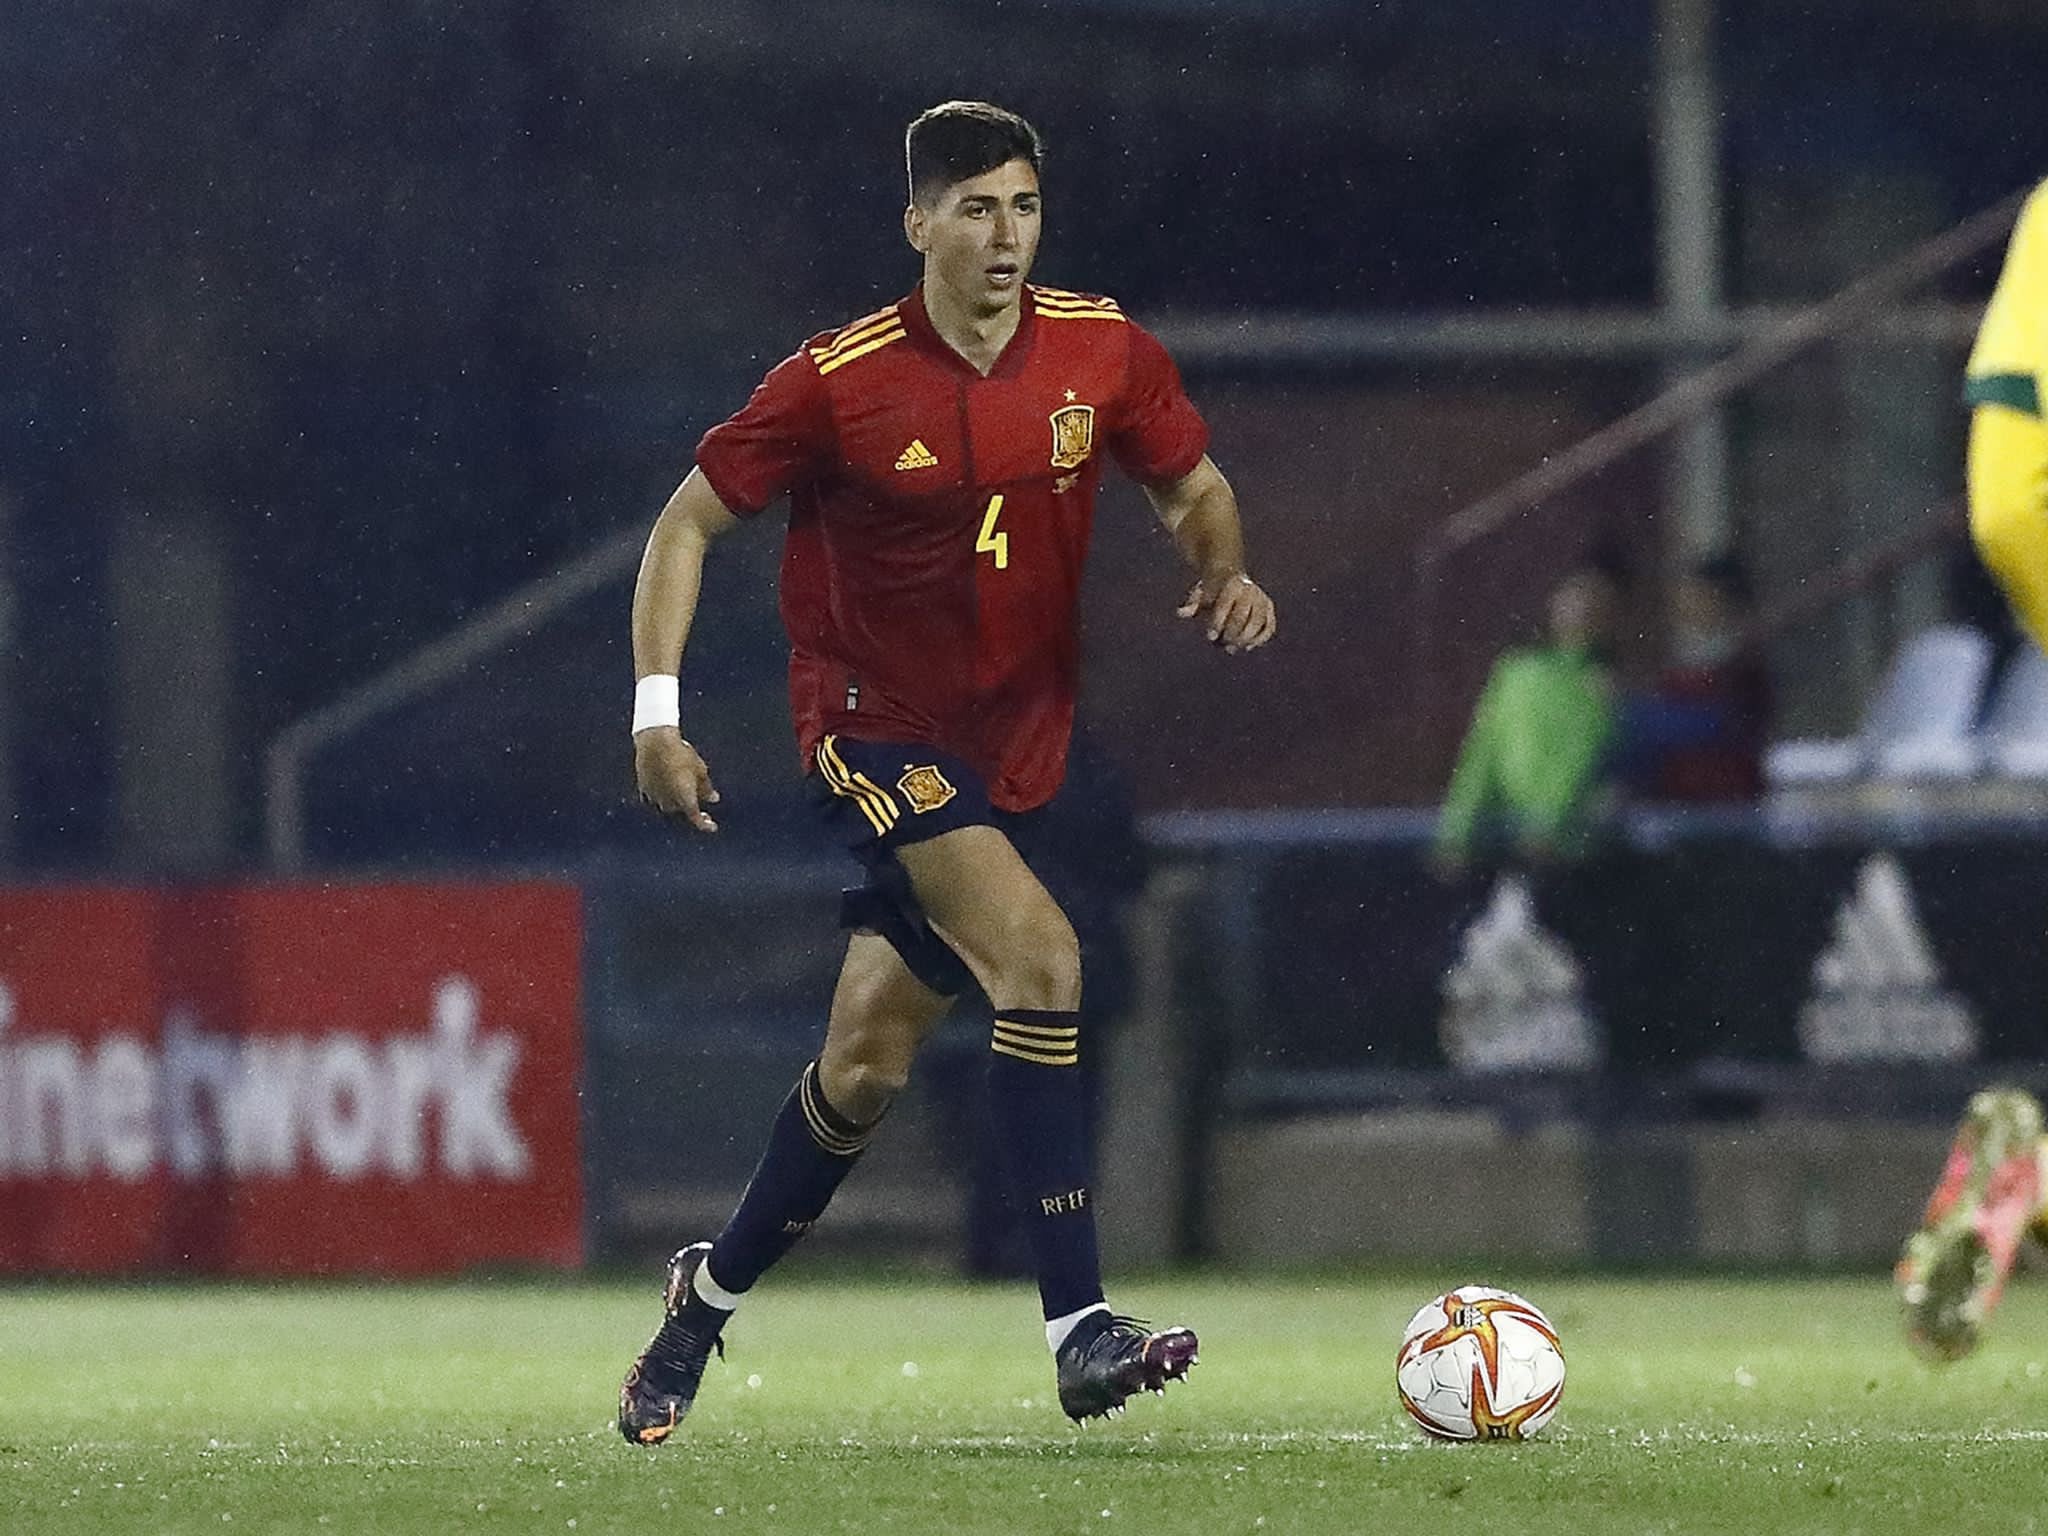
(1073, 436)
(926, 789)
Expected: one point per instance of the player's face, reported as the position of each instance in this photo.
(979, 236)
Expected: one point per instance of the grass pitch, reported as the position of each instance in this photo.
(1777, 1406)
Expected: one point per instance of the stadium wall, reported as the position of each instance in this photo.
(1437, 1186)
(335, 1078)
(1328, 1055)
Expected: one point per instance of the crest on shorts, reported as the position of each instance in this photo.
(926, 789)
(1073, 435)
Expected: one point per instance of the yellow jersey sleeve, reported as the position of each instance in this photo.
(2011, 356)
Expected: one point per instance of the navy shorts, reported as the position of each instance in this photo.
(879, 796)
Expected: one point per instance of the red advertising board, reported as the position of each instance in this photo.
(290, 1079)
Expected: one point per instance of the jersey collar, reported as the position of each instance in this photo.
(1009, 363)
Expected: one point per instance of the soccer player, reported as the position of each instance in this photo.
(1954, 1268)
(941, 457)
(2008, 467)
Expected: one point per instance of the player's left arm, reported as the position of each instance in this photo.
(1200, 511)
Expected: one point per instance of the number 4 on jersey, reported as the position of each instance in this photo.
(991, 542)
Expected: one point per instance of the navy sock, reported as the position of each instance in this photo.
(811, 1147)
(1038, 1105)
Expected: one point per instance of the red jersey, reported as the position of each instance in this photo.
(939, 520)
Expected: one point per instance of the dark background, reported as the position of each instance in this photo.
(392, 307)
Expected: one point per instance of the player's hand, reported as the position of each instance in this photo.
(1238, 612)
(672, 777)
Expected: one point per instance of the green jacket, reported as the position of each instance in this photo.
(1532, 771)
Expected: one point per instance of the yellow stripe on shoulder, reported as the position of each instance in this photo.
(1062, 298)
(1064, 304)
(873, 342)
(852, 335)
(826, 353)
(1069, 296)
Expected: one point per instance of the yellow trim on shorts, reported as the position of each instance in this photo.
(874, 802)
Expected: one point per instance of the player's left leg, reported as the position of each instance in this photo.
(981, 897)
(1954, 1268)
(881, 1014)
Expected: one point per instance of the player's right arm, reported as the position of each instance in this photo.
(672, 777)
(780, 437)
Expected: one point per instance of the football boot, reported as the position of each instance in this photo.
(1107, 1358)
(663, 1382)
(1954, 1268)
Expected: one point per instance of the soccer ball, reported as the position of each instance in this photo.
(1479, 1364)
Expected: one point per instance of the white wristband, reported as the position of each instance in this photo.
(657, 700)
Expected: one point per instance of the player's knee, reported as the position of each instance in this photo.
(867, 1088)
(861, 1075)
(1040, 966)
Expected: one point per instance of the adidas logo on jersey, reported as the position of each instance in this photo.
(1515, 999)
(917, 456)
(1878, 993)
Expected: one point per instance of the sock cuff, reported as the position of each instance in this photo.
(1057, 1328)
(710, 1292)
(830, 1129)
(1044, 1037)
(1056, 1017)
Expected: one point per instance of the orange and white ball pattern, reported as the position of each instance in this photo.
(1480, 1364)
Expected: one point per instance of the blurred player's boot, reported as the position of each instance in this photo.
(1107, 1358)
(662, 1383)
(1954, 1268)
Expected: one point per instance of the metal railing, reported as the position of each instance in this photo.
(511, 619)
(1766, 337)
(1859, 303)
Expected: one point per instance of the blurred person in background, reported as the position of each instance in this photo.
(1954, 1268)
(941, 460)
(1533, 780)
(1698, 735)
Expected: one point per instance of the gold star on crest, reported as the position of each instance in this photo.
(1070, 397)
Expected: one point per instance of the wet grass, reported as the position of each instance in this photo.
(1777, 1405)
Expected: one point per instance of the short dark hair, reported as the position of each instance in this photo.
(957, 140)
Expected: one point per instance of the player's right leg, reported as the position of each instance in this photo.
(983, 900)
(2008, 477)
(1954, 1268)
(881, 1013)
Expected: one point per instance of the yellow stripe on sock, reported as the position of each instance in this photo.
(811, 1098)
(1035, 1059)
(1043, 1047)
(1044, 1031)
